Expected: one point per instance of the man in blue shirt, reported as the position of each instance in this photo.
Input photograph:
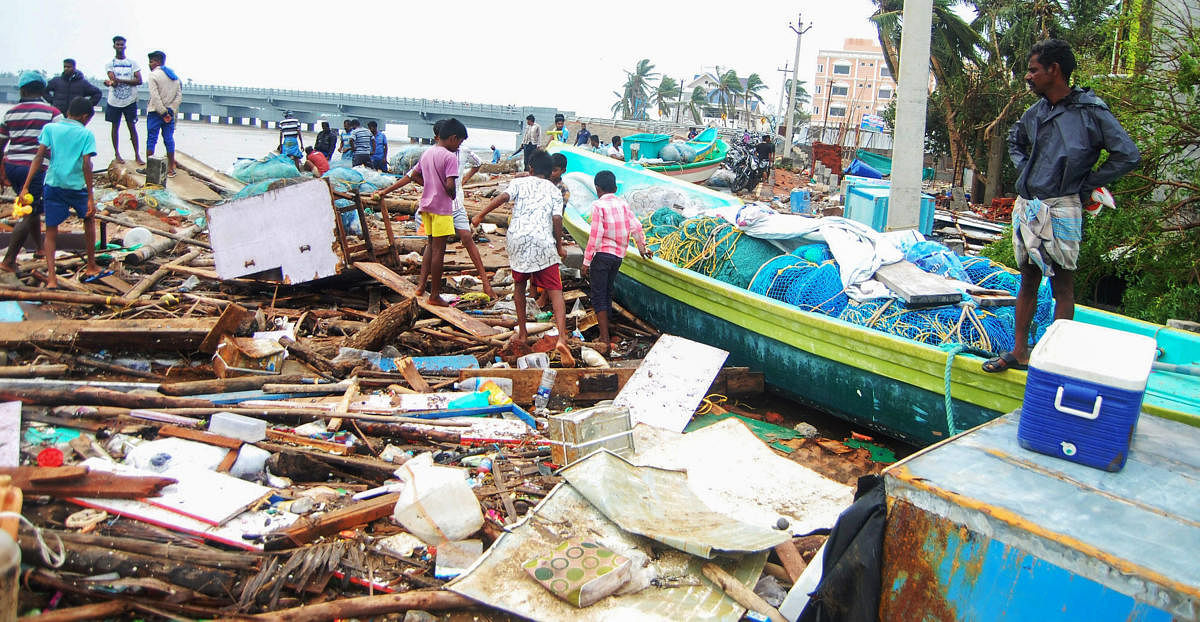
(581, 140)
(379, 153)
(1054, 146)
(495, 155)
(363, 142)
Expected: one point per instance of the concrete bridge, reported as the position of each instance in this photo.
(236, 105)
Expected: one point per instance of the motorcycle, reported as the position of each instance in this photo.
(748, 169)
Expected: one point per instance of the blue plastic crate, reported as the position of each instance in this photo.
(1083, 393)
(649, 145)
(801, 202)
(869, 205)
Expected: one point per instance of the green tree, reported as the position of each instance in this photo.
(752, 91)
(696, 103)
(666, 95)
(800, 113)
(727, 90)
(634, 97)
(953, 52)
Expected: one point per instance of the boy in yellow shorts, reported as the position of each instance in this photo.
(439, 171)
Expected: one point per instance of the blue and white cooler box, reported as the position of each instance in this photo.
(1084, 392)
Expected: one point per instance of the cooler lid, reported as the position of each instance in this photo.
(1096, 354)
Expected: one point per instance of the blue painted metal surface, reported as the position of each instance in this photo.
(980, 529)
(444, 365)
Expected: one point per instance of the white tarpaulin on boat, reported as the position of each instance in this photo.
(858, 249)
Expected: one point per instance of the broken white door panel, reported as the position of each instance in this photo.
(291, 228)
(669, 384)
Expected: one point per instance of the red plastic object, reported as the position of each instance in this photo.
(50, 457)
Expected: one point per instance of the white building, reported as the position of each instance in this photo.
(712, 111)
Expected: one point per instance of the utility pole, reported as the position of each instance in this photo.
(800, 28)
(783, 88)
(908, 149)
(680, 103)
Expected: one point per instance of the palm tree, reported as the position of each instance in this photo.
(799, 110)
(665, 95)
(953, 48)
(752, 91)
(729, 86)
(634, 98)
(696, 103)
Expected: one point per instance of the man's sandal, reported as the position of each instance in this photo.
(1006, 360)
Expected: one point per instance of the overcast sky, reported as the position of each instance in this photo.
(568, 55)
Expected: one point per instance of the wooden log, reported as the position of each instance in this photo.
(623, 312)
(305, 387)
(311, 357)
(390, 322)
(364, 606)
(32, 371)
(106, 366)
(202, 555)
(153, 278)
(306, 529)
(793, 563)
(178, 237)
(93, 560)
(208, 438)
(158, 244)
(315, 443)
(408, 432)
(741, 594)
(412, 375)
(157, 334)
(94, 396)
(225, 385)
(82, 613)
(53, 295)
(379, 469)
(406, 288)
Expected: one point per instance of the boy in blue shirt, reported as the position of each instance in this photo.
(68, 181)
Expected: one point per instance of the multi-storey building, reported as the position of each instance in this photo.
(850, 83)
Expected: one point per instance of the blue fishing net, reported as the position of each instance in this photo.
(274, 166)
(809, 278)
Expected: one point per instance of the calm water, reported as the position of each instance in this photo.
(221, 145)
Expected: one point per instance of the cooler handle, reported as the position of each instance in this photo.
(1058, 405)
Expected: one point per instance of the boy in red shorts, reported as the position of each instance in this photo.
(535, 243)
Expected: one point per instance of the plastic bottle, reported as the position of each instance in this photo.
(476, 383)
(542, 397)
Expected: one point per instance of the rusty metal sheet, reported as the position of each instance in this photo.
(979, 524)
(498, 579)
(657, 503)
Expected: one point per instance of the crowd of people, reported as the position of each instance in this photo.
(47, 149)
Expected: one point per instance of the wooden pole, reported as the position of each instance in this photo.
(364, 606)
(154, 277)
(50, 295)
(162, 232)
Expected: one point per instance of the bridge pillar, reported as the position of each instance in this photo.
(420, 129)
(263, 123)
(223, 120)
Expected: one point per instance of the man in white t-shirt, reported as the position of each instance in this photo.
(124, 76)
(614, 149)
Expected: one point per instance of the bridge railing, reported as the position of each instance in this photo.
(354, 98)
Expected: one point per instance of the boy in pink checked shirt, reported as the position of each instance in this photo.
(612, 224)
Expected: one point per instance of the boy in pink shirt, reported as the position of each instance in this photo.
(612, 225)
(439, 170)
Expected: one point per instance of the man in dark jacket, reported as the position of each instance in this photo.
(71, 84)
(1054, 147)
(326, 140)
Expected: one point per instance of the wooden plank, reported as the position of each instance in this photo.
(604, 384)
(156, 334)
(207, 438)
(793, 563)
(412, 375)
(305, 530)
(408, 289)
(207, 173)
(916, 287)
(296, 439)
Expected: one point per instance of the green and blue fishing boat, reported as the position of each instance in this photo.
(914, 391)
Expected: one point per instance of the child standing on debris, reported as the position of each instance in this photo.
(612, 225)
(535, 243)
(68, 181)
(462, 223)
(439, 171)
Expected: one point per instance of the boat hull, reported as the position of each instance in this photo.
(871, 378)
(881, 404)
(695, 175)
